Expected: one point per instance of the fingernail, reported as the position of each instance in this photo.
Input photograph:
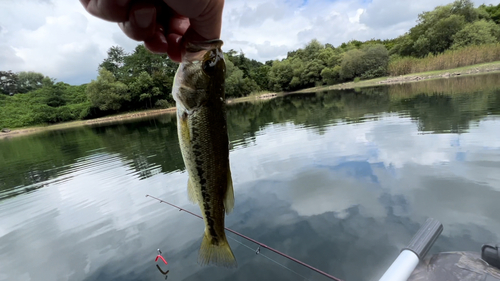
(162, 38)
(144, 16)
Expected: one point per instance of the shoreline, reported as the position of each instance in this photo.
(475, 69)
(71, 124)
(408, 78)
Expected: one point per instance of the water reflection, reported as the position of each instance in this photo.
(340, 180)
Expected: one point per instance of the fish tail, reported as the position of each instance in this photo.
(216, 251)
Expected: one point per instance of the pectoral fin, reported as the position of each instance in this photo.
(229, 197)
(192, 191)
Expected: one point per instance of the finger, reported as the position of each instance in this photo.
(174, 47)
(110, 10)
(205, 16)
(141, 24)
(208, 24)
(168, 41)
(157, 43)
(178, 25)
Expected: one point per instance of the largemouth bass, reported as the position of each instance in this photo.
(198, 91)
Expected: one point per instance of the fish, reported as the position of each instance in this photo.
(198, 91)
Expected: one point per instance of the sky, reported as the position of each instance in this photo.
(61, 40)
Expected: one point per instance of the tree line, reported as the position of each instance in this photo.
(142, 80)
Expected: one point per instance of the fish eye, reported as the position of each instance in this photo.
(209, 66)
(210, 62)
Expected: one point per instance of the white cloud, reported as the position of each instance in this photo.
(57, 38)
(60, 39)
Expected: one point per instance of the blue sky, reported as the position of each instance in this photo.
(59, 39)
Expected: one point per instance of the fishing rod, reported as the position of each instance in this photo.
(256, 242)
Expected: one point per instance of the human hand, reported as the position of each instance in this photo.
(162, 24)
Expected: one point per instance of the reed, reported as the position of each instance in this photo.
(450, 59)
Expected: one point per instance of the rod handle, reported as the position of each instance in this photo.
(423, 240)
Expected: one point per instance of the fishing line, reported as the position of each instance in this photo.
(255, 242)
(261, 254)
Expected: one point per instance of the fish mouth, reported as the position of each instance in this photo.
(197, 46)
(196, 51)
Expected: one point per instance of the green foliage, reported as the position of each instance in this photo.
(252, 70)
(493, 12)
(476, 33)
(8, 82)
(436, 30)
(143, 89)
(369, 62)
(29, 81)
(303, 68)
(331, 75)
(466, 9)
(106, 93)
(352, 64)
(237, 84)
(142, 60)
(49, 104)
(115, 61)
(280, 75)
(438, 37)
(162, 104)
(55, 99)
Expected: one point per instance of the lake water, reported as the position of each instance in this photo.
(340, 180)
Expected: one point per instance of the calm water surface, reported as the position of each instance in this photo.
(340, 180)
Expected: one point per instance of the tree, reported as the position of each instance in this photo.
(435, 29)
(403, 46)
(466, 9)
(252, 69)
(115, 60)
(143, 89)
(352, 64)
(369, 62)
(143, 60)
(492, 11)
(439, 37)
(261, 76)
(375, 61)
(331, 75)
(330, 56)
(106, 93)
(280, 75)
(55, 97)
(477, 33)
(29, 81)
(8, 82)
(236, 85)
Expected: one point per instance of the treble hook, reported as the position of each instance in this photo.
(258, 250)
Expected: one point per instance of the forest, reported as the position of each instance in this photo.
(449, 36)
